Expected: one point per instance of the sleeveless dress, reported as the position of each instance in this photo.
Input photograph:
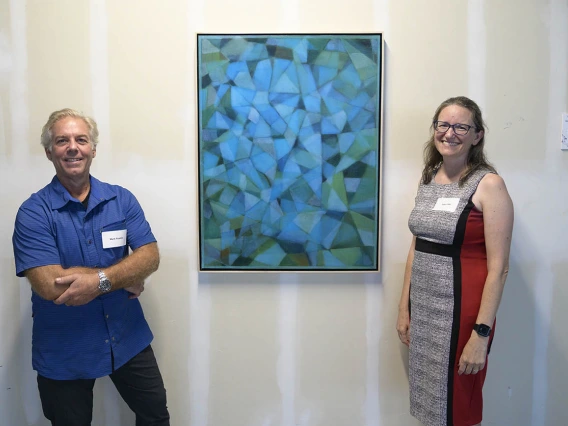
(448, 276)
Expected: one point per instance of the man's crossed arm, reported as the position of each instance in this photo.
(78, 285)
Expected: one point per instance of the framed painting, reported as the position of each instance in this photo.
(289, 148)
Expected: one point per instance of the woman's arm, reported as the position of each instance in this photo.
(493, 199)
(403, 321)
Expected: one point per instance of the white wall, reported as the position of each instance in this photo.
(293, 349)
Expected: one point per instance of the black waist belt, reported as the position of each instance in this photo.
(436, 248)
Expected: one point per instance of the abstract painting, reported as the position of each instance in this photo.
(289, 143)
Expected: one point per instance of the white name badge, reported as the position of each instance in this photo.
(114, 238)
(447, 204)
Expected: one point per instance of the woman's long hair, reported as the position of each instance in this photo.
(476, 157)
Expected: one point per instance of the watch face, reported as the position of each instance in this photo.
(104, 282)
(104, 285)
(483, 330)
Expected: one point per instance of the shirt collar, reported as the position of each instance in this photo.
(59, 196)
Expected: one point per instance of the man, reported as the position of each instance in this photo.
(71, 241)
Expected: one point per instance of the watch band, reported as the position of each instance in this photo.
(482, 329)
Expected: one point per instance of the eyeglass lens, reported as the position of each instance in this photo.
(459, 129)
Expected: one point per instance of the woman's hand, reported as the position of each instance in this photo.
(403, 321)
(403, 326)
(474, 354)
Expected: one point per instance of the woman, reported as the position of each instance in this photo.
(456, 269)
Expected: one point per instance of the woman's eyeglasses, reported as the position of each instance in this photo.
(459, 129)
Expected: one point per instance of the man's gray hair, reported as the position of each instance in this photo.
(47, 133)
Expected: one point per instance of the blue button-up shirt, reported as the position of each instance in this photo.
(53, 228)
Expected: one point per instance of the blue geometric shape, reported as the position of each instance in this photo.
(209, 160)
(235, 68)
(306, 79)
(313, 145)
(219, 121)
(272, 255)
(351, 184)
(334, 203)
(262, 129)
(312, 102)
(241, 97)
(331, 260)
(263, 162)
(263, 75)
(282, 147)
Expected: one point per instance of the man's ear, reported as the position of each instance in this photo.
(94, 153)
(48, 154)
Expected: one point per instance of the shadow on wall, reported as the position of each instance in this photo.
(21, 358)
(508, 390)
(557, 374)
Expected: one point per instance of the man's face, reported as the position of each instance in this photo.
(71, 149)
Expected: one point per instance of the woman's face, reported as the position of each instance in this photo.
(449, 144)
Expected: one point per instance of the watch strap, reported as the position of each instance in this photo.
(482, 329)
(104, 282)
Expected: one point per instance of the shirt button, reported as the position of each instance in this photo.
(113, 338)
(107, 317)
(106, 341)
(90, 241)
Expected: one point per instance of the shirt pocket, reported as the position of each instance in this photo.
(111, 255)
(114, 226)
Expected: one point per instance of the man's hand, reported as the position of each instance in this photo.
(135, 290)
(83, 287)
(474, 355)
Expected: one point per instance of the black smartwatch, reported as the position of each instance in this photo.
(482, 329)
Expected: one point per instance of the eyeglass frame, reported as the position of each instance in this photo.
(453, 127)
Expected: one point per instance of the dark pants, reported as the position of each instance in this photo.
(139, 382)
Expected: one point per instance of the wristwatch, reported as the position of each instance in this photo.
(482, 329)
(104, 282)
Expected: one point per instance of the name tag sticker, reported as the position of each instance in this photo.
(446, 204)
(114, 238)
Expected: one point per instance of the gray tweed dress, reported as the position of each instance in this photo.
(448, 276)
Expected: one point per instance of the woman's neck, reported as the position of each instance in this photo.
(450, 172)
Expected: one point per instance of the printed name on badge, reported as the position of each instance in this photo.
(114, 238)
(447, 204)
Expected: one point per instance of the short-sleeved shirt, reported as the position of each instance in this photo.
(53, 228)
